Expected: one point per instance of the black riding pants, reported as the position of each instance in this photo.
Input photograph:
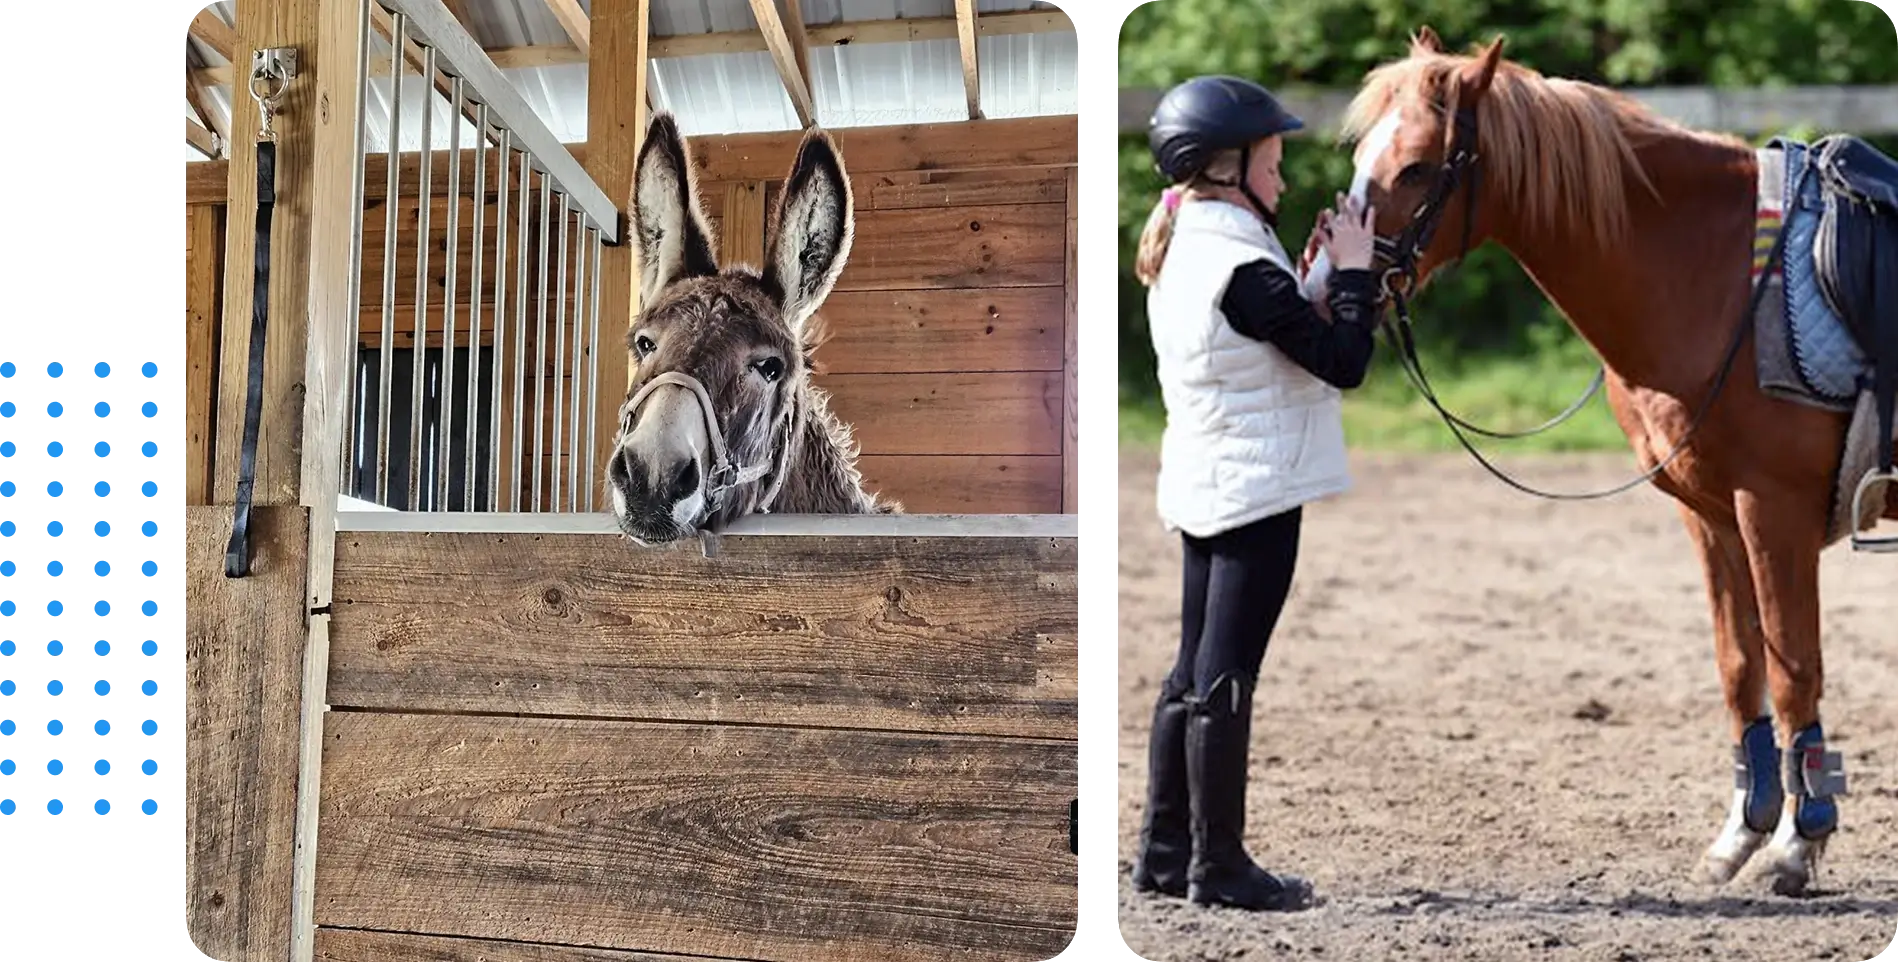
(1235, 586)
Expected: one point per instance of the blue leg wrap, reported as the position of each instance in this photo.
(1755, 773)
(1814, 776)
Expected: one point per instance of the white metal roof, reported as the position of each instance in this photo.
(852, 85)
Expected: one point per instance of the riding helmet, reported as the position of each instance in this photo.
(1205, 115)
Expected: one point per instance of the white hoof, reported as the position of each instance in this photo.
(1790, 861)
(1735, 845)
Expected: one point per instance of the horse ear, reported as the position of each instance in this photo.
(814, 226)
(1478, 75)
(674, 241)
(1425, 40)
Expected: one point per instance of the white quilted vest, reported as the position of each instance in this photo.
(1249, 432)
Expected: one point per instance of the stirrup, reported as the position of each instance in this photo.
(1861, 542)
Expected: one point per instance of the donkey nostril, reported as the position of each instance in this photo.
(686, 479)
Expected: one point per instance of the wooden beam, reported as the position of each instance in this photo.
(616, 124)
(741, 234)
(853, 33)
(204, 268)
(965, 38)
(800, 41)
(784, 55)
(209, 28)
(208, 114)
(940, 149)
(574, 21)
(201, 139)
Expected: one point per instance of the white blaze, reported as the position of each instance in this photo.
(1376, 143)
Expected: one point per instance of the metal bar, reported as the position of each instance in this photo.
(560, 352)
(540, 346)
(432, 21)
(519, 387)
(579, 380)
(351, 479)
(593, 374)
(474, 310)
(385, 396)
(1010, 526)
(445, 430)
(417, 368)
(500, 327)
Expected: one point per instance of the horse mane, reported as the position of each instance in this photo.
(1560, 151)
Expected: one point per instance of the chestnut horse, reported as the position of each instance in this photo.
(1641, 232)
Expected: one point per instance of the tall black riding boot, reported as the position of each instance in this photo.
(1221, 873)
(1166, 835)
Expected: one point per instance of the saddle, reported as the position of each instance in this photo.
(1855, 255)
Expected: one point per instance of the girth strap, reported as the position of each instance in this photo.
(237, 552)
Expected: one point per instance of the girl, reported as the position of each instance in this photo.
(1250, 371)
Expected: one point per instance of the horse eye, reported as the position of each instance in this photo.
(772, 368)
(643, 345)
(1413, 173)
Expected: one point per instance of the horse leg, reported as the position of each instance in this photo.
(1740, 653)
(1782, 545)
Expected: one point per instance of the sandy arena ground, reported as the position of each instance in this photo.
(1489, 727)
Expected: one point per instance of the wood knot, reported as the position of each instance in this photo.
(217, 900)
(893, 595)
(552, 596)
(975, 226)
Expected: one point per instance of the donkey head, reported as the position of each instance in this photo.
(721, 386)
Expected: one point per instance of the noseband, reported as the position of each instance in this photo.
(725, 474)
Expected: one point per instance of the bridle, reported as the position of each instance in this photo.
(1399, 277)
(725, 474)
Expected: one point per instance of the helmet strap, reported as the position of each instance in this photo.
(1244, 183)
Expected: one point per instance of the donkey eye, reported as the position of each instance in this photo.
(771, 368)
(643, 345)
(1414, 173)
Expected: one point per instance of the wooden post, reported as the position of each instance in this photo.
(204, 267)
(257, 657)
(616, 123)
(1070, 366)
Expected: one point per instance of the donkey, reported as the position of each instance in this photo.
(722, 419)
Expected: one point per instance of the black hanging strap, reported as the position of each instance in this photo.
(237, 553)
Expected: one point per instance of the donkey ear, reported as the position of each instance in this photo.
(1425, 40)
(674, 242)
(814, 224)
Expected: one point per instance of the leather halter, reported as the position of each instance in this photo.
(725, 474)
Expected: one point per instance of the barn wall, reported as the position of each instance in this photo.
(950, 330)
(546, 739)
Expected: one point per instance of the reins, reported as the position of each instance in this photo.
(1399, 279)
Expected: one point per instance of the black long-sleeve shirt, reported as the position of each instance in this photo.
(1263, 302)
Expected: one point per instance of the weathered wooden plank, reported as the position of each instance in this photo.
(244, 670)
(989, 246)
(978, 484)
(754, 842)
(886, 332)
(925, 634)
(1025, 142)
(204, 272)
(899, 190)
(963, 145)
(356, 945)
(1009, 412)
